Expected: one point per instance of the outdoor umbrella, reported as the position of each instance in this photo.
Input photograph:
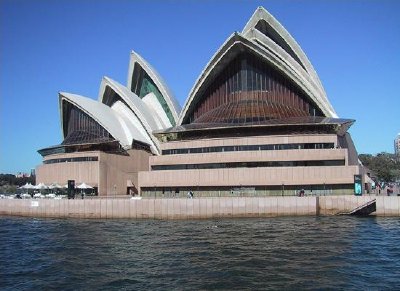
(27, 186)
(55, 186)
(41, 186)
(84, 186)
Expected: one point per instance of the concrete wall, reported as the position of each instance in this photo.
(110, 173)
(237, 177)
(119, 169)
(331, 205)
(195, 208)
(249, 177)
(161, 208)
(388, 205)
(60, 173)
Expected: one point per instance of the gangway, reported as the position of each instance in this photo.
(363, 210)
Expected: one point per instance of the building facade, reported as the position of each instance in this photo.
(397, 145)
(256, 122)
(108, 141)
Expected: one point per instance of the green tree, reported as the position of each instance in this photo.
(384, 165)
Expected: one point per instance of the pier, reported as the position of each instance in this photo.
(197, 208)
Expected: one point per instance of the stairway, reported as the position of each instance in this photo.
(363, 210)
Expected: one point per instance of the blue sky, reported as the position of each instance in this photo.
(49, 46)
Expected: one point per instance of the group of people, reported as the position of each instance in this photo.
(387, 189)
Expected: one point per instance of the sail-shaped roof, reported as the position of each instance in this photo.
(283, 63)
(144, 79)
(256, 77)
(118, 126)
(265, 29)
(123, 101)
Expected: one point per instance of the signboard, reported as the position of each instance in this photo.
(71, 189)
(357, 185)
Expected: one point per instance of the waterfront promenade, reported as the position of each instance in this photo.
(197, 208)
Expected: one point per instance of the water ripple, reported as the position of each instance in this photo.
(307, 253)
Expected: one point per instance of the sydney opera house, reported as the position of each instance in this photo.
(256, 122)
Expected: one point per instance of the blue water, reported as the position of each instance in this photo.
(294, 253)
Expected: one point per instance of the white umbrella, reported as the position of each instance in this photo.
(27, 186)
(84, 186)
(55, 186)
(41, 186)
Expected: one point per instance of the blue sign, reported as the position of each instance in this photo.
(357, 185)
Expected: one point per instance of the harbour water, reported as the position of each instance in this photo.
(346, 253)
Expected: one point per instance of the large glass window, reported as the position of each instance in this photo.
(250, 90)
(71, 160)
(329, 163)
(269, 147)
(142, 85)
(79, 127)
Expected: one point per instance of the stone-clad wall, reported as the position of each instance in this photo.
(161, 208)
(331, 205)
(388, 205)
(197, 208)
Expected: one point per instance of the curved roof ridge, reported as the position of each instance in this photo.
(135, 104)
(203, 74)
(262, 14)
(101, 113)
(269, 44)
(133, 101)
(268, 55)
(157, 79)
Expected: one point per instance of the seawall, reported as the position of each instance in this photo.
(198, 208)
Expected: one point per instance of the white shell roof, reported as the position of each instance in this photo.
(262, 14)
(137, 118)
(266, 48)
(105, 116)
(157, 79)
(136, 105)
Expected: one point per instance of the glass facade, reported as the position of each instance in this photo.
(324, 163)
(107, 147)
(142, 85)
(250, 90)
(79, 127)
(267, 147)
(247, 191)
(110, 97)
(71, 160)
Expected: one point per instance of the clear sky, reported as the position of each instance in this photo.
(49, 46)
